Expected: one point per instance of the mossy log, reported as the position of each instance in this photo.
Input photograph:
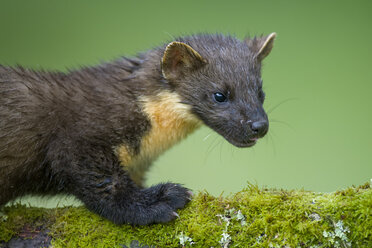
(251, 218)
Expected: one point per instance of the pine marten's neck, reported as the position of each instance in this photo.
(171, 121)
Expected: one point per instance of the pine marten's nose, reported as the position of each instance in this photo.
(260, 128)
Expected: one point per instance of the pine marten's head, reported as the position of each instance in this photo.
(220, 78)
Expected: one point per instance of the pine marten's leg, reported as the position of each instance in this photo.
(101, 183)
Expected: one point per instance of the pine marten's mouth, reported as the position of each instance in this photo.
(241, 143)
(249, 143)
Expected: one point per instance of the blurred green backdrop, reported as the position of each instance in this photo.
(318, 80)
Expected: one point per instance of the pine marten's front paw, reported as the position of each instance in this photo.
(166, 199)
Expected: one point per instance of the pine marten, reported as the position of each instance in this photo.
(93, 132)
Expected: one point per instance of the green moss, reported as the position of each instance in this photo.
(251, 218)
(15, 219)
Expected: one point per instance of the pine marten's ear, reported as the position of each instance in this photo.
(179, 59)
(261, 46)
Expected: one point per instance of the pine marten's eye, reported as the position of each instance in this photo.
(219, 97)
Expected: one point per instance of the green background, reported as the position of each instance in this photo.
(318, 80)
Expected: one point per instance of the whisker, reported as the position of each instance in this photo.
(210, 148)
(271, 138)
(281, 103)
(282, 122)
(232, 150)
(221, 145)
(206, 137)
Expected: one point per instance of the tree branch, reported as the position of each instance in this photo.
(251, 218)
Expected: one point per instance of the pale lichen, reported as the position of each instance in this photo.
(184, 240)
